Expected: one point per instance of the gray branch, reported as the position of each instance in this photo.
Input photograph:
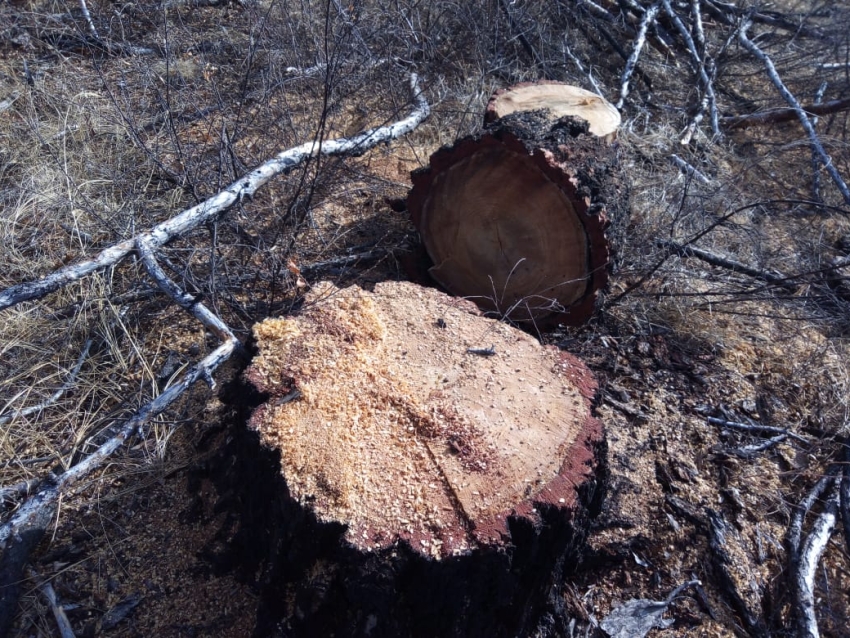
(217, 204)
(750, 46)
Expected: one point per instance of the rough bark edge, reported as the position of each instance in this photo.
(580, 467)
(593, 217)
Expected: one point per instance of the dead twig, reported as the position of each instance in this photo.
(69, 383)
(798, 110)
(645, 22)
(62, 622)
(809, 556)
(217, 204)
(756, 428)
(777, 116)
(689, 170)
(699, 65)
(815, 159)
(714, 259)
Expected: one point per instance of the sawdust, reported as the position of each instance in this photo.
(417, 418)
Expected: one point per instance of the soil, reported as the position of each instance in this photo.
(174, 537)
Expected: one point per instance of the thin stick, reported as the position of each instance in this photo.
(698, 65)
(815, 159)
(183, 299)
(729, 264)
(580, 67)
(217, 204)
(769, 429)
(62, 622)
(84, 8)
(689, 170)
(646, 21)
(69, 382)
(810, 555)
(699, 33)
(776, 116)
(798, 110)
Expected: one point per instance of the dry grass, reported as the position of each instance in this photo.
(99, 147)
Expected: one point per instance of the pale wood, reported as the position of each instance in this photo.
(561, 100)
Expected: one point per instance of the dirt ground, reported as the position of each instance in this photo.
(96, 147)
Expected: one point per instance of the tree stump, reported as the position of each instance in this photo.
(514, 218)
(440, 466)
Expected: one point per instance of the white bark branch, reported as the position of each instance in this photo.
(85, 9)
(810, 555)
(62, 622)
(699, 65)
(63, 483)
(646, 21)
(69, 383)
(221, 202)
(795, 105)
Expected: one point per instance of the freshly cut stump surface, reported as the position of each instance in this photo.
(559, 100)
(427, 432)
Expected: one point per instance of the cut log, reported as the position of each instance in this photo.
(560, 100)
(452, 457)
(514, 218)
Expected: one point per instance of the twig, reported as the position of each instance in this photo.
(750, 450)
(798, 110)
(755, 427)
(646, 21)
(580, 67)
(699, 33)
(810, 555)
(844, 492)
(69, 382)
(689, 170)
(699, 66)
(729, 264)
(777, 116)
(84, 8)
(221, 202)
(183, 299)
(347, 260)
(815, 159)
(724, 12)
(62, 622)
(795, 525)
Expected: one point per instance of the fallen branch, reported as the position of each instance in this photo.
(755, 427)
(689, 170)
(810, 555)
(22, 532)
(62, 622)
(646, 21)
(798, 111)
(217, 204)
(698, 64)
(69, 383)
(685, 250)
(777, 116)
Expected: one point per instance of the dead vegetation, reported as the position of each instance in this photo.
(728, 304)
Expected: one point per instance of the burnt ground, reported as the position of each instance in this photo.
(172, 537)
